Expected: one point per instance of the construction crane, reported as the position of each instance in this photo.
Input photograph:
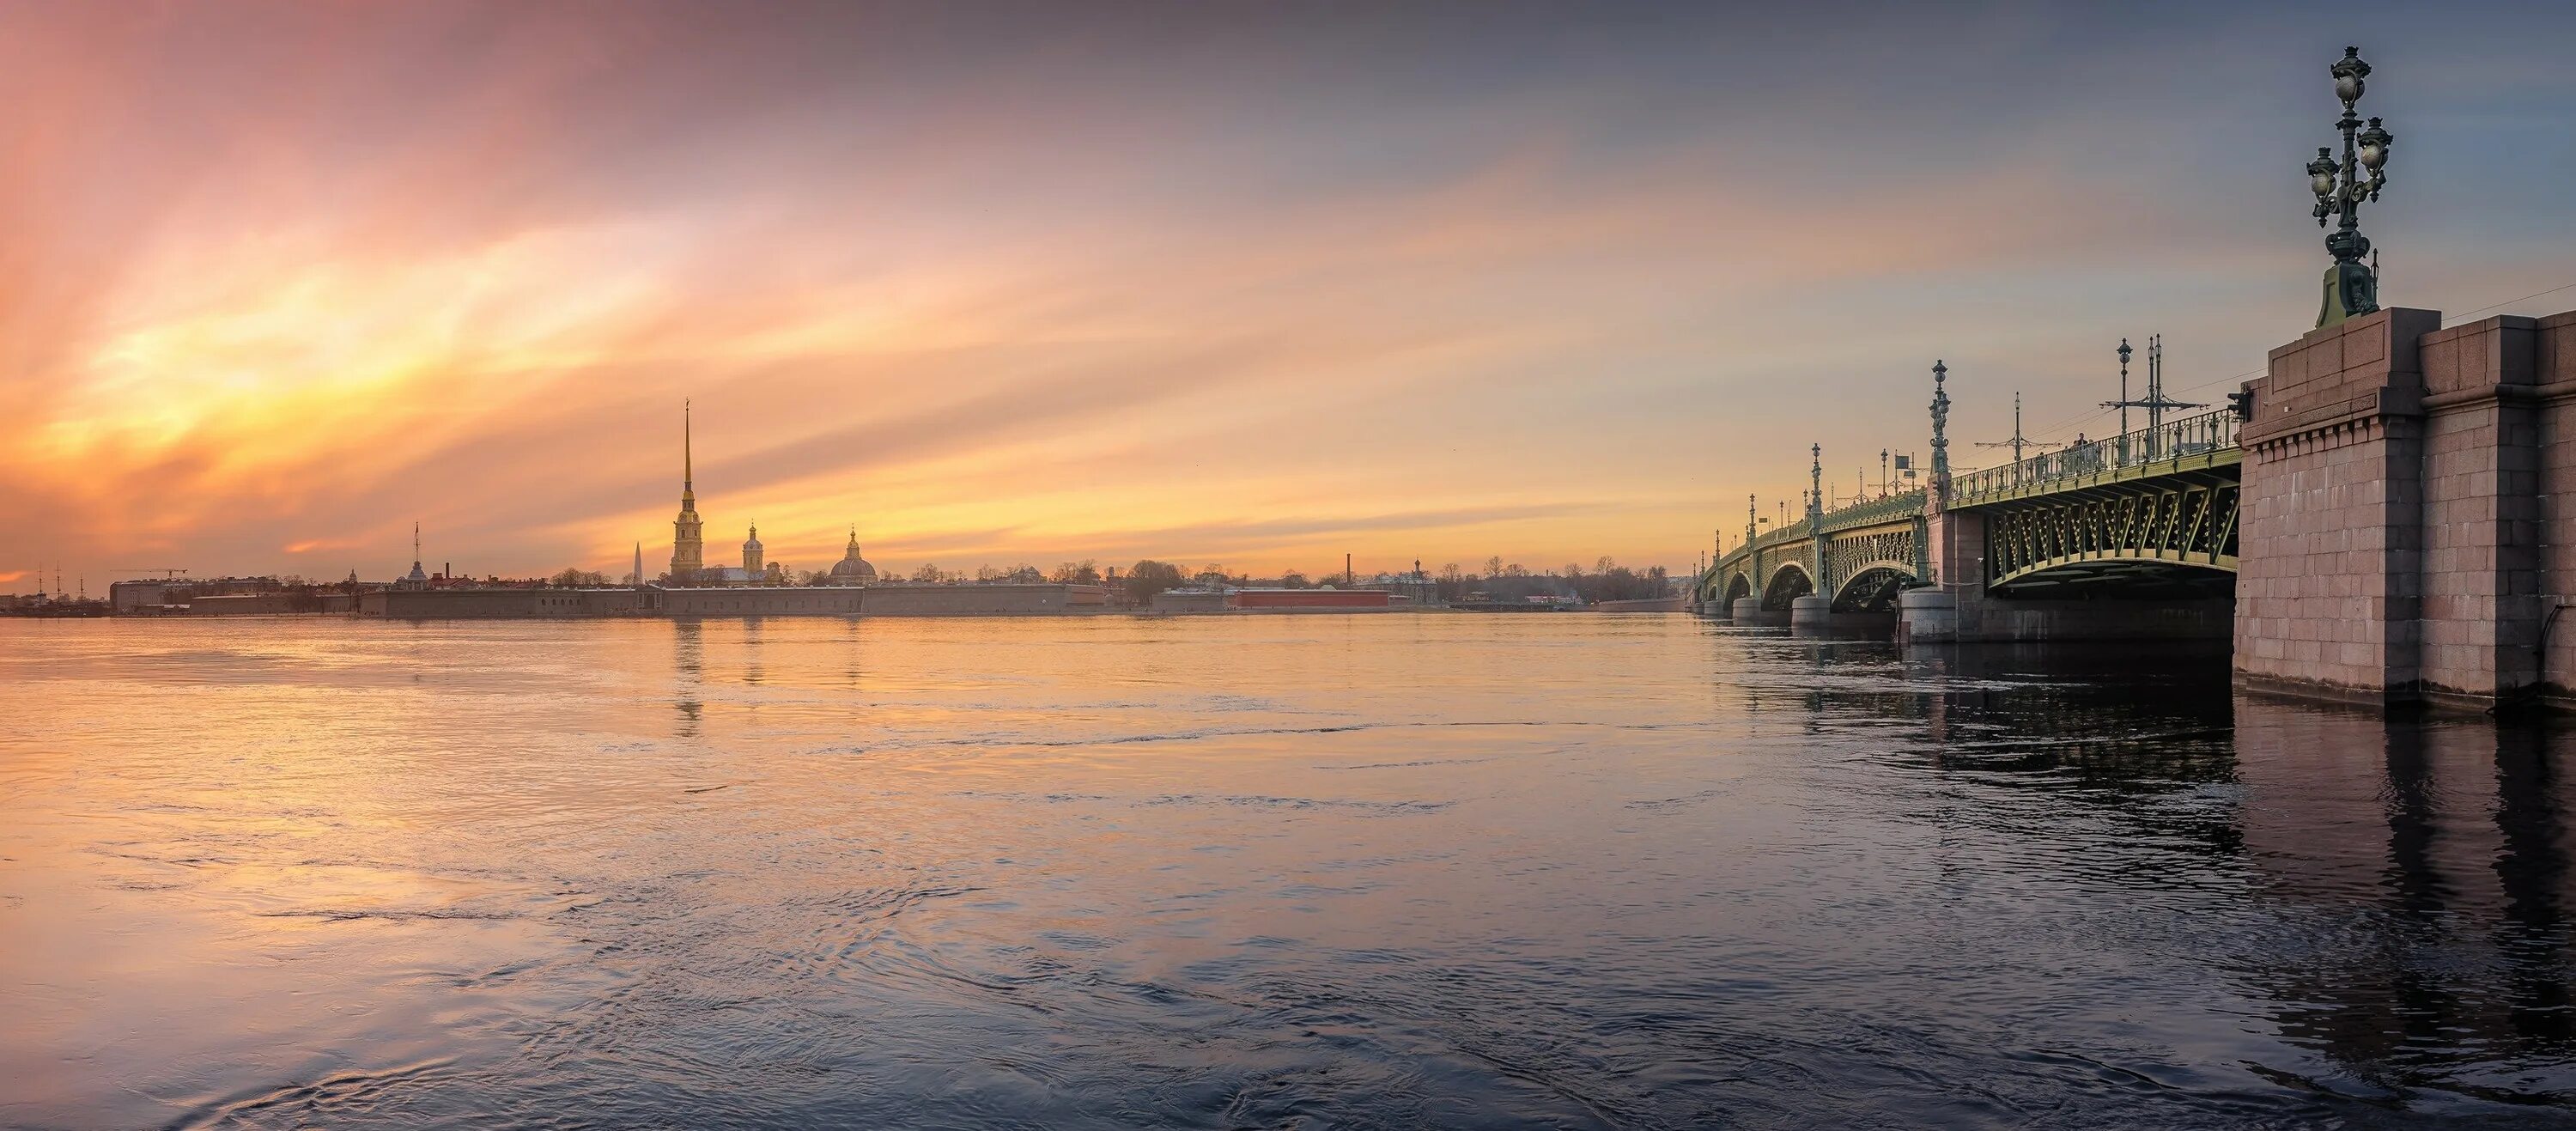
(167, 573)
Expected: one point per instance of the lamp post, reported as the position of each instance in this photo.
(1815, 481)
(2124, 401)
(2351, 289)
(1816, 516)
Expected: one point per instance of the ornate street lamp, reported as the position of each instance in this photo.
(1816, 482)
(2350, 288)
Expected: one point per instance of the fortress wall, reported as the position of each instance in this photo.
(786, 601)
(979, 600)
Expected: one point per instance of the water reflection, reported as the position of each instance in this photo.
(2427, 855)
(2533, 873)
(1557, 871)
(2439, 841)
(689, 673)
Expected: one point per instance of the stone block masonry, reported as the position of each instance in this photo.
(2402, 535)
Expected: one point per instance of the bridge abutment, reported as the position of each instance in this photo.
(2401, 539)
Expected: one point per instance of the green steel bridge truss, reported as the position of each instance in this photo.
(2153, 530)
(1872, 550)
(2150, 512)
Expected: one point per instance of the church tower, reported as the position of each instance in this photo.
(413, 580)
(751, 550)
(687, 549)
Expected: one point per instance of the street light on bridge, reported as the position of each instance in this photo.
(2351, 289)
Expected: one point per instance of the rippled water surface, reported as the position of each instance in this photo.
(1322, 871)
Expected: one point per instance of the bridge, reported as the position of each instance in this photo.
(2146, 515)
(2390, 518)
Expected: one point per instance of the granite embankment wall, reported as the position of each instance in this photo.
(2405, 533)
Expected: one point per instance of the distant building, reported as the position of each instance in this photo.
(853, 569)
(739, 601)
(150, 596)
(416, 579)
(1414, 585)
(756, 568)
(174, 595)
(688, 542)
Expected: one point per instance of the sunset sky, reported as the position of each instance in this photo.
(1245, 284)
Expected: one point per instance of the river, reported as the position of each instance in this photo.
(1294, 871)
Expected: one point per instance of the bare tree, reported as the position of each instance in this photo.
(1149, 577)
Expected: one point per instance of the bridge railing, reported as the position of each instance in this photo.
(2172, 440)
(1902, 504)
(1871, 512)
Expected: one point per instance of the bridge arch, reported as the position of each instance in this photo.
(1788, 583)
(2139, 572)
(1739, 585)
(1873, 586)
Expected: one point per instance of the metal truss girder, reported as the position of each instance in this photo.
(2170, 520)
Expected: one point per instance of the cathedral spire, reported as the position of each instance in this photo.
(416, 579)
(687, 545)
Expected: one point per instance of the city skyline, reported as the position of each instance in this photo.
(1254, 287)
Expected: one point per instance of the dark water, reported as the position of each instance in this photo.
(1370, 871)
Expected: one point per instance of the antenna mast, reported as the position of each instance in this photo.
(2018, 441)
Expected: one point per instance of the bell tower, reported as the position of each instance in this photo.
(687, 547)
